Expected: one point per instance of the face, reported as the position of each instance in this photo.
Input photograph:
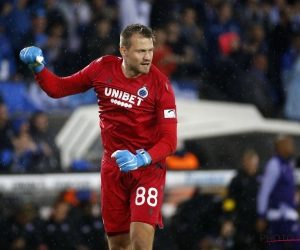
(189, 17)
(258, 33)
(173, 29)
(261, 63)
(161, 36)
(250, 164)
(3, 112)
(60, 212)
(296, 43)
(104, 27)
(235, 44)
(285, 147)
(41, 122)
(39, 24)
(137, 59)
(226, 11)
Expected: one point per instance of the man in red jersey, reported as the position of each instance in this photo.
(138, 128)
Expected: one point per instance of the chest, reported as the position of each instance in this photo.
(136, 94)
(287, 175)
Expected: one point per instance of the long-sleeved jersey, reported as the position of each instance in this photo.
(134, 112)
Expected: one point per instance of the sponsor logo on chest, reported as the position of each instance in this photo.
(125, 99)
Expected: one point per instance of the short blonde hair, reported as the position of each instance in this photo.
(136, 28)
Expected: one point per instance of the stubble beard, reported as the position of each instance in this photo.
(138, 69)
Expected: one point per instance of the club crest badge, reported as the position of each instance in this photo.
(143, 92)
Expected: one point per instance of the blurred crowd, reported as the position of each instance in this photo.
(70, 223)
(244, 51)
(237, 50)
(234, 217)
(27, 144)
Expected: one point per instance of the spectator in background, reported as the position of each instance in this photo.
(57, 36)
(7, 59)
(276, 204)
(56, 44)
(209, 10)
(222, 24)
(227, 76)
(22, 231)
(161, 54)
(255, 42)
(252, 12)
(100, 40)
(99, 10)
(6, 138)
(240, 203)
(5, 9)
(59, 232)
(25, 155)
(157, 19)
(134, 11)
(189, 28)
(54, 15)
(182, 159)
(226, 237)
(77, 14)
(183, 54)
(195, 219)
(294, 9)
(194, 34)
(107, 10)
(274, 11)
(291, 77)
(37, 35)
(279, 42)
(92, 227)
(42, 135)
(257, 89)
(18, 22)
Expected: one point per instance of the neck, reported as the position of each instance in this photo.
(129, 73)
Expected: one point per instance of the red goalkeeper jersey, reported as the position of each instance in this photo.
(134, 112)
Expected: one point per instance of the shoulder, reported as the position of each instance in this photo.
(273, 165)
(274, 161)
(156, 74)
(108, 60)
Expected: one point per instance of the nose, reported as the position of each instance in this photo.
(147, 55)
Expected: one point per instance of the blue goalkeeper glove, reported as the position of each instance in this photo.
(33, 57)
(128, 161)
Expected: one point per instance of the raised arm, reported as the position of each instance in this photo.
(54, 86)
(57, 87)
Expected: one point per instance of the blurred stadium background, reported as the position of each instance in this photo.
(234, 69)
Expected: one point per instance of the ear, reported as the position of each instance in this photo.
(123, 51)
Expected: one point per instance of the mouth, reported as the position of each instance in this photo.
(145, 64)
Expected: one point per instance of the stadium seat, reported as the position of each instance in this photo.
(15, 97)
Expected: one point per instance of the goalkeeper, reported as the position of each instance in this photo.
(138, 128)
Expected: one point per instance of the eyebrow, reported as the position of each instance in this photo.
(144, 49)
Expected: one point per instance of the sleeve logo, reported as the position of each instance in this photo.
(169, 113)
